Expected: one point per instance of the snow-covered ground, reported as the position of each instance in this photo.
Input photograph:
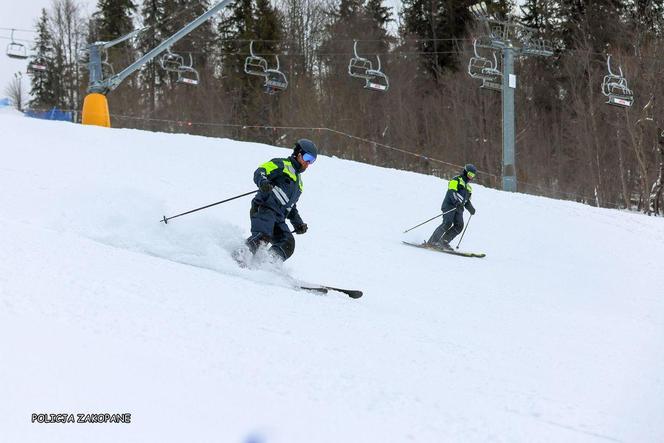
(557, 335)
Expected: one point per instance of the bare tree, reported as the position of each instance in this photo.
(304, 22)
(68, 30)
(16, 92)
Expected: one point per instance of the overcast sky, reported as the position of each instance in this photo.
(22, 15)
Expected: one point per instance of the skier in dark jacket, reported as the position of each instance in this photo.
(456, 199)
(280, 187)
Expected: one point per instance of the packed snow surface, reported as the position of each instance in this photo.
(556, 336)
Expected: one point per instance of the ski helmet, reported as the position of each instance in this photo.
(306, 146)
(470, 171)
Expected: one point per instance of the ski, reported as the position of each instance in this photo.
(452, 252)
(313, 289)
(352, 293)
(242, 257)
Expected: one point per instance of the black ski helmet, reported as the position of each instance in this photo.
(305, 146)
(470, 168)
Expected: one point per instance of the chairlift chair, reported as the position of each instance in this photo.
(16, 49)
(484, 69)
(275, 80)
(187, 74)
(376, 79)
(491, 85)
(618, 93)
(255, 65)
(377, 82)
(171, 61)
(359, 66)
(614, 86)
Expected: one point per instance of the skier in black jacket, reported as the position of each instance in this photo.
(280, 187)
(456, 199)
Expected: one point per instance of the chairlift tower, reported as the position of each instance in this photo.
(512, 40)
(95, 105)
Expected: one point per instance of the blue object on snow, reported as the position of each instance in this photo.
(4, 102)
(53, 114)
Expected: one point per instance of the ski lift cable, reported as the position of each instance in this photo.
(569, 51)
(293, 54)
(387, 53)
(19, 30)
(175, 15)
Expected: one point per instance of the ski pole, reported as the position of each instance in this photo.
(166, 219)
(432, 218)
(464, 231)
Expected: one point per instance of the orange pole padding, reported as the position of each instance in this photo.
(95, 110)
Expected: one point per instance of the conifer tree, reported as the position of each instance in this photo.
(380, 15)
(114, 18)
(151, 75)
(198, 42)
(536, 14)
(234, 32)
(377, 17)
(348, 22)
(437, 25)
(245, 100)
(648, 15)
(42, 67)
(595, 24)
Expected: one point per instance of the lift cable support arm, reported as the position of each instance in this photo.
(103, 86)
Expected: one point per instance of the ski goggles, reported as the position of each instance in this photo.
(470, 174)
(308, 158)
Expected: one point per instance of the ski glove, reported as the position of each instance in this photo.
(301, 229)
(471, 209)
(266, 186)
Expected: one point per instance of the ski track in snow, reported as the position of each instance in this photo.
(555, 336)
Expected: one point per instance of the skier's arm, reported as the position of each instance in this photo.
(294, 217)
(267, 172)
(469, 206)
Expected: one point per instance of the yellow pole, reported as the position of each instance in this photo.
(95, 110)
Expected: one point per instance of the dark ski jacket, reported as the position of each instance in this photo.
(284, 175)
(458, 195)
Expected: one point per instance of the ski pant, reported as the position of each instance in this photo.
(451, 227)
(267, 228)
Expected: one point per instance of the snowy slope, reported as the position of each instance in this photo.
(556, 336)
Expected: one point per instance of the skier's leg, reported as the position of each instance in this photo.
(283, 242)
(262, 227)
(456, 228)
(439, 232)
(438, 235)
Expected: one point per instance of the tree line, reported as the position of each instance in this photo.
(432, 119)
